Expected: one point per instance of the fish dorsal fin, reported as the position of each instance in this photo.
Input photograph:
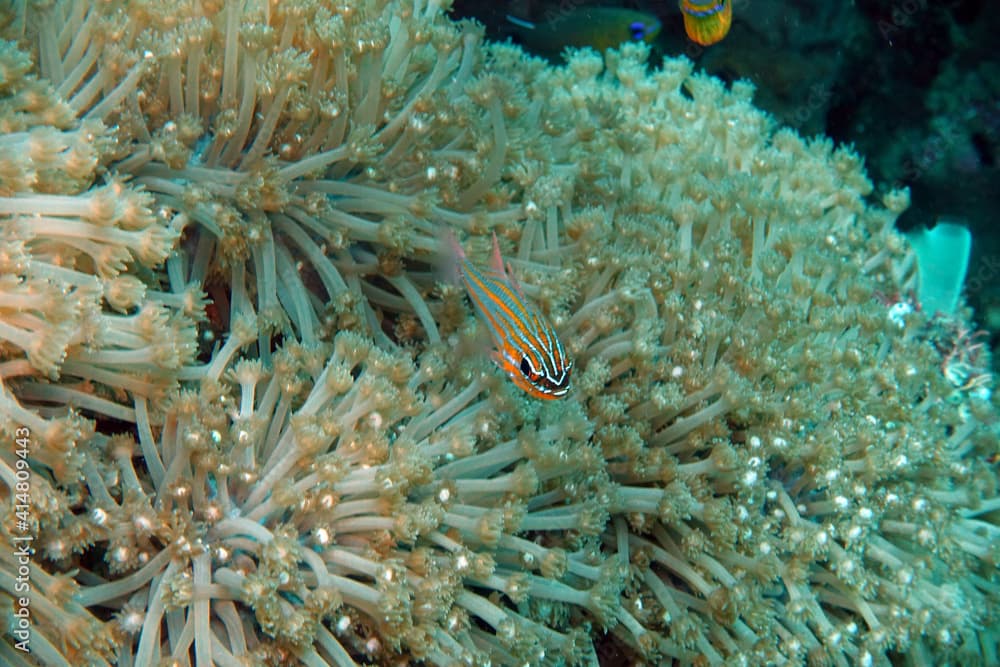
(496, 259)
(502, 269)
(514, 282)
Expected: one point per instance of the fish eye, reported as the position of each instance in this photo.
(637, 30)
(527, 370)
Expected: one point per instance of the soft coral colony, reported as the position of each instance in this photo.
(262, 431)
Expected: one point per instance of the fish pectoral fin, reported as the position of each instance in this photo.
(504, 365)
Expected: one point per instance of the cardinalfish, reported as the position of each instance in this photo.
(598, 27)
(707, 21)
(528, 349)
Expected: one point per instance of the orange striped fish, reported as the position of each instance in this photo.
(527, 347)
(707, 21)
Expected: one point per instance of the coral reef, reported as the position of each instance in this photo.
(257, 428)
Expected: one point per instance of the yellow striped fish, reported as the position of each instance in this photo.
(527, 347)
(707, 21)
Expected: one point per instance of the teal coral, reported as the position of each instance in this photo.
(757, 463)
